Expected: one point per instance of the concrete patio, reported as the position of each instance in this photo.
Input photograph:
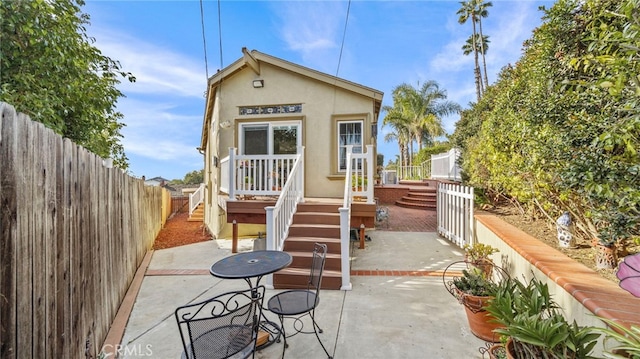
(398, 307)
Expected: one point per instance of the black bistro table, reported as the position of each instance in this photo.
(250, 266)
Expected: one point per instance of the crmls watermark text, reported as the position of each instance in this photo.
(127, 351)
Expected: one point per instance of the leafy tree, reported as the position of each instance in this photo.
(53, 73)
(560, 130)
(194, 177)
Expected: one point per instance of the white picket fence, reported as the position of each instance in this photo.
(455, 213)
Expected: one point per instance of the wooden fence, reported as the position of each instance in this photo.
(72, 234)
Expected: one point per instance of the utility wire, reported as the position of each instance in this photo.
(344, 35)
(220, 34)
(204, 41)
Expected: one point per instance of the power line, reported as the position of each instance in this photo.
(204, 41)
(220, 34)
(344, 35)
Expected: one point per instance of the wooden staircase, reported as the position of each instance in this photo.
(313, 222)
(421, 195)
(198, 214)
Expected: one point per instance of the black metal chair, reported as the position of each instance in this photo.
(298, 303)
(225, 326)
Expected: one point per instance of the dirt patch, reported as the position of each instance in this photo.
(545, 231)
(178, 231)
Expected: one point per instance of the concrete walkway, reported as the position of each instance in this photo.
(398, 307)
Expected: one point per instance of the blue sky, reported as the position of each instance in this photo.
(386, 43)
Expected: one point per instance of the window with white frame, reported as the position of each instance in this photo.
(276, 138)
(349, 133)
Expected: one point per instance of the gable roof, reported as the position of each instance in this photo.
(253, 60)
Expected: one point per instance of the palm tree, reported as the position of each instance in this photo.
(395, 118)
(483, 12)
(466, 12)
(421, 111)
(467, 48)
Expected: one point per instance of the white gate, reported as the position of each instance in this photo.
(455, 213)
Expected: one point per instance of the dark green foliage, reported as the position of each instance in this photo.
(560, 130)
(53, 73)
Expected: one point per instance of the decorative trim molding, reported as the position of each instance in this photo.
(270, 109)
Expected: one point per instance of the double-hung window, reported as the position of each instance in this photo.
(349, 133)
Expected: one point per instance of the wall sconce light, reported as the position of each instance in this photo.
(258, 83)
(225, 124)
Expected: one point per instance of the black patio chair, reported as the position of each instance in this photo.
(225, 326)
(298, 303)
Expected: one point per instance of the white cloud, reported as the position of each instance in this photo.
(158, 130)
(157, 70)
(314, 29)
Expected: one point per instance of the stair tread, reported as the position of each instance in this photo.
(305, 272)
(316, 239)
(317, 225)
(337, 214)
(417, 199)
(310, 254)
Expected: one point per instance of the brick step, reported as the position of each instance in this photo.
(426, 206)
(417, 200)
(316, 230)
(305, 244)
(429, 194)
(302, 259)
(423, 189)
(316, 218)
(297, 278)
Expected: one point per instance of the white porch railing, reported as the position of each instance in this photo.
(196, 198)
(455, 213)
(445, 165)
(254, 175)
(418, 172)
(280, 216)
(360, 173)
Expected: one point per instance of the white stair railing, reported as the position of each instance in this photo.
(280, 216)
(196, 198)
(345, 226)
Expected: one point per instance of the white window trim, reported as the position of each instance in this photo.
(339, 146)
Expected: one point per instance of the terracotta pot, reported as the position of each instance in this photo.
(493, 350)
(511, 352)
(480, 321)
(606, 257)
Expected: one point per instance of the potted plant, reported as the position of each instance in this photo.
(626, 339)
(474, 290)
(478, 255)
(533, 325)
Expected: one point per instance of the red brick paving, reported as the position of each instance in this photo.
(403, 219)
